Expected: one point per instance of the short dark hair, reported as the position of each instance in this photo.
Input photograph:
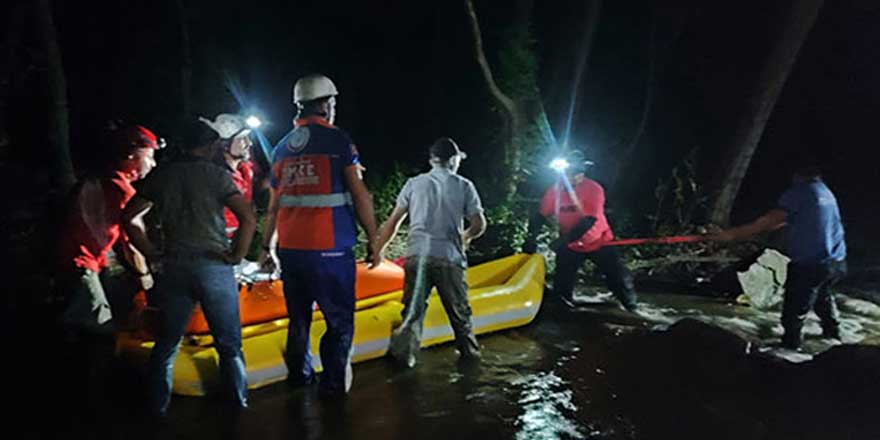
(197, 134)
(807, 167)
(444, 149)
(308, 108)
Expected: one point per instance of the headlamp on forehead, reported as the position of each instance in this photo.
(253, 121)
(559, 164)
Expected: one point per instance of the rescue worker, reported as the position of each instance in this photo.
(578, 204)
(437, 202)
(316, 194)
(197, 259)
(92, 227)
(814, 240)
(236, 157)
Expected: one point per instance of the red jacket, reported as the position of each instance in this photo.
(243, 177)
(590, 198)
(92, 225)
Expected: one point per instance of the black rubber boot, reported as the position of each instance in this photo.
(831, 332)
(792, 340)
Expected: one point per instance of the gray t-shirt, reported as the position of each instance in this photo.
(189, 196)
(437, 203)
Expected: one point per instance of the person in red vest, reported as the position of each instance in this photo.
(92, 227)
(317, 195)
(578, 204)
(236, 157)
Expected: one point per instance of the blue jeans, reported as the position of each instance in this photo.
(809, 287)
(325, 277)
(186, 280)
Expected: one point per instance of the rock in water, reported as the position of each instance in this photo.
(763, 283)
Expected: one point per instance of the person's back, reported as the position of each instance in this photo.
(316, 191)
(438, 202)
(814, 232)
(189, 195)
(315, 211)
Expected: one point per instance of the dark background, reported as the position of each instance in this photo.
(406, 75)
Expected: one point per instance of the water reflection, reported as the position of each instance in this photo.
(546, 401)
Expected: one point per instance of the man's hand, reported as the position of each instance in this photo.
(230, 258)
(267, 261)
(145, 282)
(466, 240)
(374, 254)
(716, 233)
(721, 235)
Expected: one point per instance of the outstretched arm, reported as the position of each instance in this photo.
(133, 223)
(243, 210)
(269, 233)
(773, 219)
(363, 206)
(389, 229)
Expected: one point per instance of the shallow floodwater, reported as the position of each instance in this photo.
(595, 372)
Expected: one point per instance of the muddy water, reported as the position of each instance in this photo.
(595, 372)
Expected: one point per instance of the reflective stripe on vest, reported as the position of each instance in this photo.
(316, 200)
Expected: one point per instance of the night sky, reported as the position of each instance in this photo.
(406, 74)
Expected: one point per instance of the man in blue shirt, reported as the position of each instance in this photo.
(815, 243)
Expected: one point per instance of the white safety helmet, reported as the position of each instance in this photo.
(228, 126)
(312, 87)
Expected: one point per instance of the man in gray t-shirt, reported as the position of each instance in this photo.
(437, 204)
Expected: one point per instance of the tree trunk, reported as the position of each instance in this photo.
(583, 54)
(514, 121)
(11, 42)
(623, 159)
(770, 83)
(62, 176)
(185, 63)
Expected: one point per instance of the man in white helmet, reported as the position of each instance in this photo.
(316, 195)
(236, 156)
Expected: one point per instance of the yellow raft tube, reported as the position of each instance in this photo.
(504, 293)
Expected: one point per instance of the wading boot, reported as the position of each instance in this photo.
(831, 332)
(792, 341)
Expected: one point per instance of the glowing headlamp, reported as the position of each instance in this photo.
(253, 122)
(559, 164)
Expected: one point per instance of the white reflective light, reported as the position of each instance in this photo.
(253, 122)
(559, 164)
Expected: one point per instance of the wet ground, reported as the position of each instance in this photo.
(592, 372)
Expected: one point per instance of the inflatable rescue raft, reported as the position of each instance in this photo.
(503, 294)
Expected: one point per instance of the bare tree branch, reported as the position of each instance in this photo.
(506, 102)
(751, 125)
(62, 174)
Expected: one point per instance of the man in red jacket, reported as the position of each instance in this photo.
(92, 227)
(578, 204)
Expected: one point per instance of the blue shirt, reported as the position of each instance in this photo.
(814, 232)
(308, 172)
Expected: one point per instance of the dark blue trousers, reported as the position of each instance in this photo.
(326, 278)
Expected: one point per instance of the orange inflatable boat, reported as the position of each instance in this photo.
(264, 301)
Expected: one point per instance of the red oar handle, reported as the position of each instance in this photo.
(657, 240)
